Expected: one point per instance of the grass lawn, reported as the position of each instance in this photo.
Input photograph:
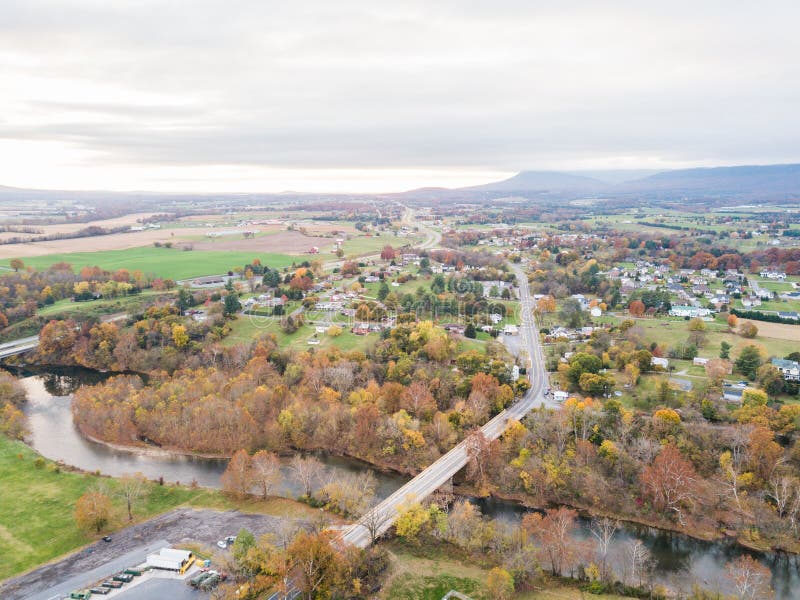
(169, 263)
(37, 505)
(429, 573)
(670, 332)
(466, 344)
(67, 307)
(348, 341)
(362, 244)
(565, 593)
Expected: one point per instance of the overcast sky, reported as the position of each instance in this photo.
(202, 95)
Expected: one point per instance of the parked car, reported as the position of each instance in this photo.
(222, 544)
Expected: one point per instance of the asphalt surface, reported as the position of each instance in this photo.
(448, 465)
(160, 589)
(82, 580)
(129, 547)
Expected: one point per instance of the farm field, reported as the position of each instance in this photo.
(779, 340)
(163, 262)
(363, 244)
(281, 241)
(98, 243)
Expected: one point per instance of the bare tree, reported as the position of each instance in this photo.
(750, 578)
(306, 471)
(375, 520)
(603, 531)
(638, 561)
(130, 489)
(463, 523)
(730, 476)
(738, 438)
(266, 472)
(782, 489)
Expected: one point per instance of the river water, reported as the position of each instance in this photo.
(679, 561)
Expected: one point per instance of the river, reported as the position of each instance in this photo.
(679, 560)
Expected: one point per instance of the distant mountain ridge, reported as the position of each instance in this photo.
(542, 181)
(765, 182)
(743, 184)
(768, 179)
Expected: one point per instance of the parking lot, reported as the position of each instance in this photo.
(163, 588)
(102, 559)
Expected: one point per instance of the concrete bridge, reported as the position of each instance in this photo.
(381, 518)
(19, 346)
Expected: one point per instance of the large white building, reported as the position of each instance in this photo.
(689, 311)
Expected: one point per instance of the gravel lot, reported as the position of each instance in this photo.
(181, 525)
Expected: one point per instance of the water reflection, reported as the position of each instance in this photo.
(679, 560)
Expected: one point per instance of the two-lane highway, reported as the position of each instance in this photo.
(438, 473)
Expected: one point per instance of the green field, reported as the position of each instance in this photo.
(429, 573)
(168, 263)
(670, 331)
(363, 244)
(37, 504)
(41, 526)
(67, 308)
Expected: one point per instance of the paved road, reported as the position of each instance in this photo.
(19, 346)
(23, 345)
(432, 240)
(433, 237)
(80, 581)
(438, 473)
(129, 547)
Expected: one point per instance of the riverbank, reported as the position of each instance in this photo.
(42, 527)
(707, 534)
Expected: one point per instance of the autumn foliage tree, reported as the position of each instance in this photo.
(317, 567)
(748, 329)
(266, 472)
(12, 396)
(636, 308)
(93, 511)
(482, 454)
(670, 482)
(554, 531)
(238, 476)
(500, 584)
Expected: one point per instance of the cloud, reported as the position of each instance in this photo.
(134, 87)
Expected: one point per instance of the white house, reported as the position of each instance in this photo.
(657, 361)
(689, 311)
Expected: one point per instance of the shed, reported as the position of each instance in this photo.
(170, 559)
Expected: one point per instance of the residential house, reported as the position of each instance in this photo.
(689, 311)
(789, 368)
(658, 362)
(732, 394)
